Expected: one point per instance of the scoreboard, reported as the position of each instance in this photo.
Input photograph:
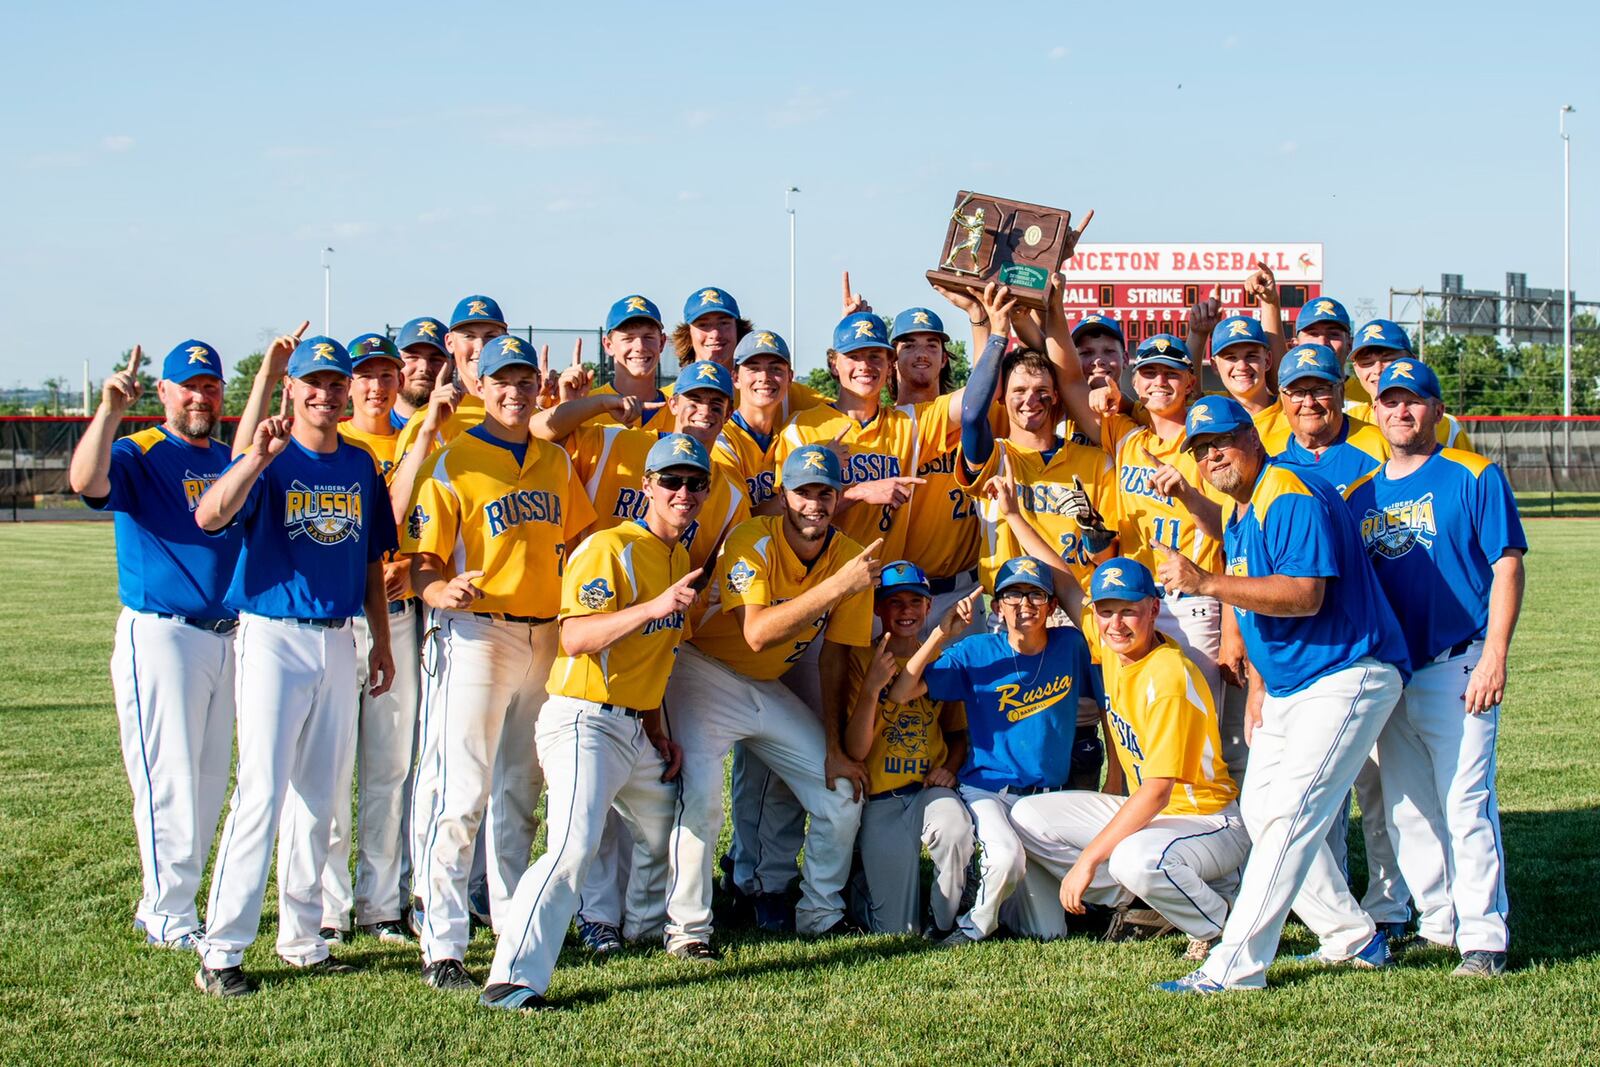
(1149, 288)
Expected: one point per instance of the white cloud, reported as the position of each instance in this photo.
(806, 105)
(1058, 52)
(116, 142)
(697, 118)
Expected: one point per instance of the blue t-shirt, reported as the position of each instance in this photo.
(1433, 537)
(312, 523)
(1022, 711)
(165, 562)
(1341, 464)
(1301, 527)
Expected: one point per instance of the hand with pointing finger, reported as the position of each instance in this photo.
(272, 434)
(442, 401)
(999, 305)
(1167, 479)
(575, 381)
(1002, 489)
(677, 597)
(882, 667)
(960, 614)
(862, 571)
(122, 389)
(1203, 318)
(1074, 236)
(853, 302)
(275, 360)
(1262, 286)
(884, 492)
(459, 594)
(1178, 572)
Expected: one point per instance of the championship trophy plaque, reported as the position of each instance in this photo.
(1004, 241)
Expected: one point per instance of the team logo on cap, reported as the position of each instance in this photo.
(199, 354)
(322, 350)
(636, 303)
(1372, 332)
(1400, 527)
(512, 345)
(1091, 318)
(710, 296)
(814, 461)
(1113, 576)
(706, 372)
(740, 575)
(428, 329)
(1239, 329)
(683, 447)
(477, 307)
(1325, 307)
(1199, 415)
(326, 514)
(593, 595)
(864, 329)
(1306, 357)
(1028, 567)
(764, 340)
(1161, 344)
(920, 318)
(1402, 370)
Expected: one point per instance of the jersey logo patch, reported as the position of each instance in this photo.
(740, 575)
(1034, 701)
(326, 515)
(415, 522)
(195, 486)
(907, 733)
(1400, 527)
(593, 595)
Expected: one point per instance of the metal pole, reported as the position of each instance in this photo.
(1566, 264)
(794, 343)
(327, 294)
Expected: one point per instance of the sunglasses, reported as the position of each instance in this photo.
(696, 483)
(1035, 597)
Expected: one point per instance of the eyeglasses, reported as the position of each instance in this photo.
(1035, 597)
(1315, 392)
(696, 483)
(1215, 443)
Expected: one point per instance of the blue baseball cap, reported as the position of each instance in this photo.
(318, 354)
(707, 301)
(1122, 578)
(1023, 570)
(858, 331)
(1164, 349)
(629, 308)
(1237, 330)
(425, 330)
(1382, 333)
(1213, 415)
(677, 450)
(761, 343)
(373, 346)
(811, 465)
(704, 374)
(1100, 320)
(1309, 361)
(916, 320)
(191, 359)
(1412, 375)
(1322, 309)
(504, 351)
(902, 576)
(476, 308)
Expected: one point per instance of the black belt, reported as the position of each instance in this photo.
(398, 606)
(904, 791)
(321, 624)
(954, 582)
(1457, 649)
(1032, 790)
(215, 626)
(531, 620)
(632, 713)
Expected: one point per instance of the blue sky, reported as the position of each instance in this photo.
(174, 170)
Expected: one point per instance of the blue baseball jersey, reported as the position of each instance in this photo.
(312, 523)
(165, 562)
(1301, 527)
(1022, 711)
(1356, 452)
(1433, 536)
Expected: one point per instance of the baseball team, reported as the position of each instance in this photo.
(442, 581)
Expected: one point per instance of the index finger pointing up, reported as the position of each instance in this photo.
(544, 361)
(577, 352)
(300, 331)
(133, 359)
(283, 403)
(847, 287)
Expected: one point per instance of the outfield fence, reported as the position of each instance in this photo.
(1553, 462)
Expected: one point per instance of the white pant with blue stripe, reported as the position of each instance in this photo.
(1169, 864)
(1304, 758)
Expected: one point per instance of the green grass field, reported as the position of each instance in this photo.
(76, 985)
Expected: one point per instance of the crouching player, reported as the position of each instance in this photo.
(600, 737)
(912, 752)
(1179, 828)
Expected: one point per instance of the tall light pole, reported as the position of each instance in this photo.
(1566, 264)
(327, 293)
(794, 343)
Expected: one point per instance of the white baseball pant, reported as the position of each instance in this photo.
(1387, 898)
(895, 828)
(1010, 888)
(1170, 864)
(1438, 766)
(1303, 760)
(380, 765)
(709, 708)
(173, 685)
(295, 687)
(1195, 623)
(485, 692)
(594, 757)
(606, 881)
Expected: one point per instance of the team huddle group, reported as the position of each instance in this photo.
(448, 579)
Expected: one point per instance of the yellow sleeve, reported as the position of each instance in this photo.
(434, 520)
(579, 514)
(584, 445)
(855, 673)
(850, 622)
(595, 582)
(1174, 739)
(937, 432)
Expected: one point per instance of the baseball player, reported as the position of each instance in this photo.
(476, 320)
(782, 582)
(491, 521)
(762, 377)
(1442, 530)
(315, 521)
(423, 356)
(1376, 345)
(712, 328)
(624, 600)
(172, 659)
(1022, 690)
(912, 753)
(633, 339)
(1326, 664)
(1178, 829)
(1324, 441)
(1245, 352)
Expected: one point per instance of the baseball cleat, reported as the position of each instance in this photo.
(1480, 963)
(1395, 931)
(224, 982)
(329, 965)
(1193, 982)
(695, 951)
(189, 942)
(332, 935)
(1372, 956)
(414, 921)
(1199, 948)
(601, 939)
(957, 938)
(841, 928)
(506, 996)
(390, 933)
(448, 975)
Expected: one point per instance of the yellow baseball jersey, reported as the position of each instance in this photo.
(942, 537)
(660, 419)
(475, 509)
(468, 413)
(612, 570)
(1144, 515)
(1450, 432)
(1042, 486)
(893, 444)
(744, 457)
(610, 463)
(909, 740)
(1164, 725)
(1272, 425)
(380, 445)
(757, 566)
